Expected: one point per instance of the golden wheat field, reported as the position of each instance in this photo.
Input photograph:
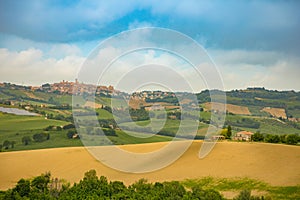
(273, 163)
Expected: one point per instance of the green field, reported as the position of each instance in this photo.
(14, 123)
(58, 109)
(234, 186)
(15, 127)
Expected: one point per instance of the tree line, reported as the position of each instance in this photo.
(291, 139)
(94, 187)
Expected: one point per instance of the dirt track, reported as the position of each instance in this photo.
(275, 164)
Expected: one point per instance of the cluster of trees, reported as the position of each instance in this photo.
(291, 139)
(93, 187)
(41, 137)
(38, 137)
(100, 131)
(168, 99)
(139, 114)
(227, 132)
(138, 129)
(7, 144)
(107, 123)
(71, 134)
(53, 128)
(71, 131)
(134, 114)
(68, 118)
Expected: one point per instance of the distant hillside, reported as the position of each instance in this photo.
(258, 98)
(252, 109)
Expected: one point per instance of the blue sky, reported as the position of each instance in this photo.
(253, 43)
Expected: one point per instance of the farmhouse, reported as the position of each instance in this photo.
(243, 136)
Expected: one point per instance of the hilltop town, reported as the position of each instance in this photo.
(65, 87)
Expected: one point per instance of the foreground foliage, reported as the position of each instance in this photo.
(94, 187)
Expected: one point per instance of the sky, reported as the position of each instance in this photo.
(252, 43)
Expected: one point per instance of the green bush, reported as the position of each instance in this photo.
(292, 139)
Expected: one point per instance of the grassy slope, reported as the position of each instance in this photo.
(14, 128)
(230, 187)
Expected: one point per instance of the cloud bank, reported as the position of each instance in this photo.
(254, 43)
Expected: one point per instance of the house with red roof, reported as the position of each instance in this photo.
(243, 136)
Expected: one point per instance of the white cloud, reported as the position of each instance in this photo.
(31, 68)
(63, 50)
(239, 68)
(137, 24)
(245, 68)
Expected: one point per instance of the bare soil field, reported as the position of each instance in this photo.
(238, 110)
(275, 112)
(273, 163)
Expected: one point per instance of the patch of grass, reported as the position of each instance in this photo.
(104, 114)
(121, 138)
(137, 138)
(57, 139)
(273, 126)
(15, 127)
(239, 184)
(288, 192)
(225, 184)
(10, 122)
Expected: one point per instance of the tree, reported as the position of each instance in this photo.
(40, 137)
(199, 193)
(6, 144)
(283, 138)
(229, 132)
(224, 132)
(71, 133)
(272, 138)
(68, 126)
(22, 187)
(26, 140)
(90, 175)
(173, 190)
(257, 137)
(40, 183)
(292, 139)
